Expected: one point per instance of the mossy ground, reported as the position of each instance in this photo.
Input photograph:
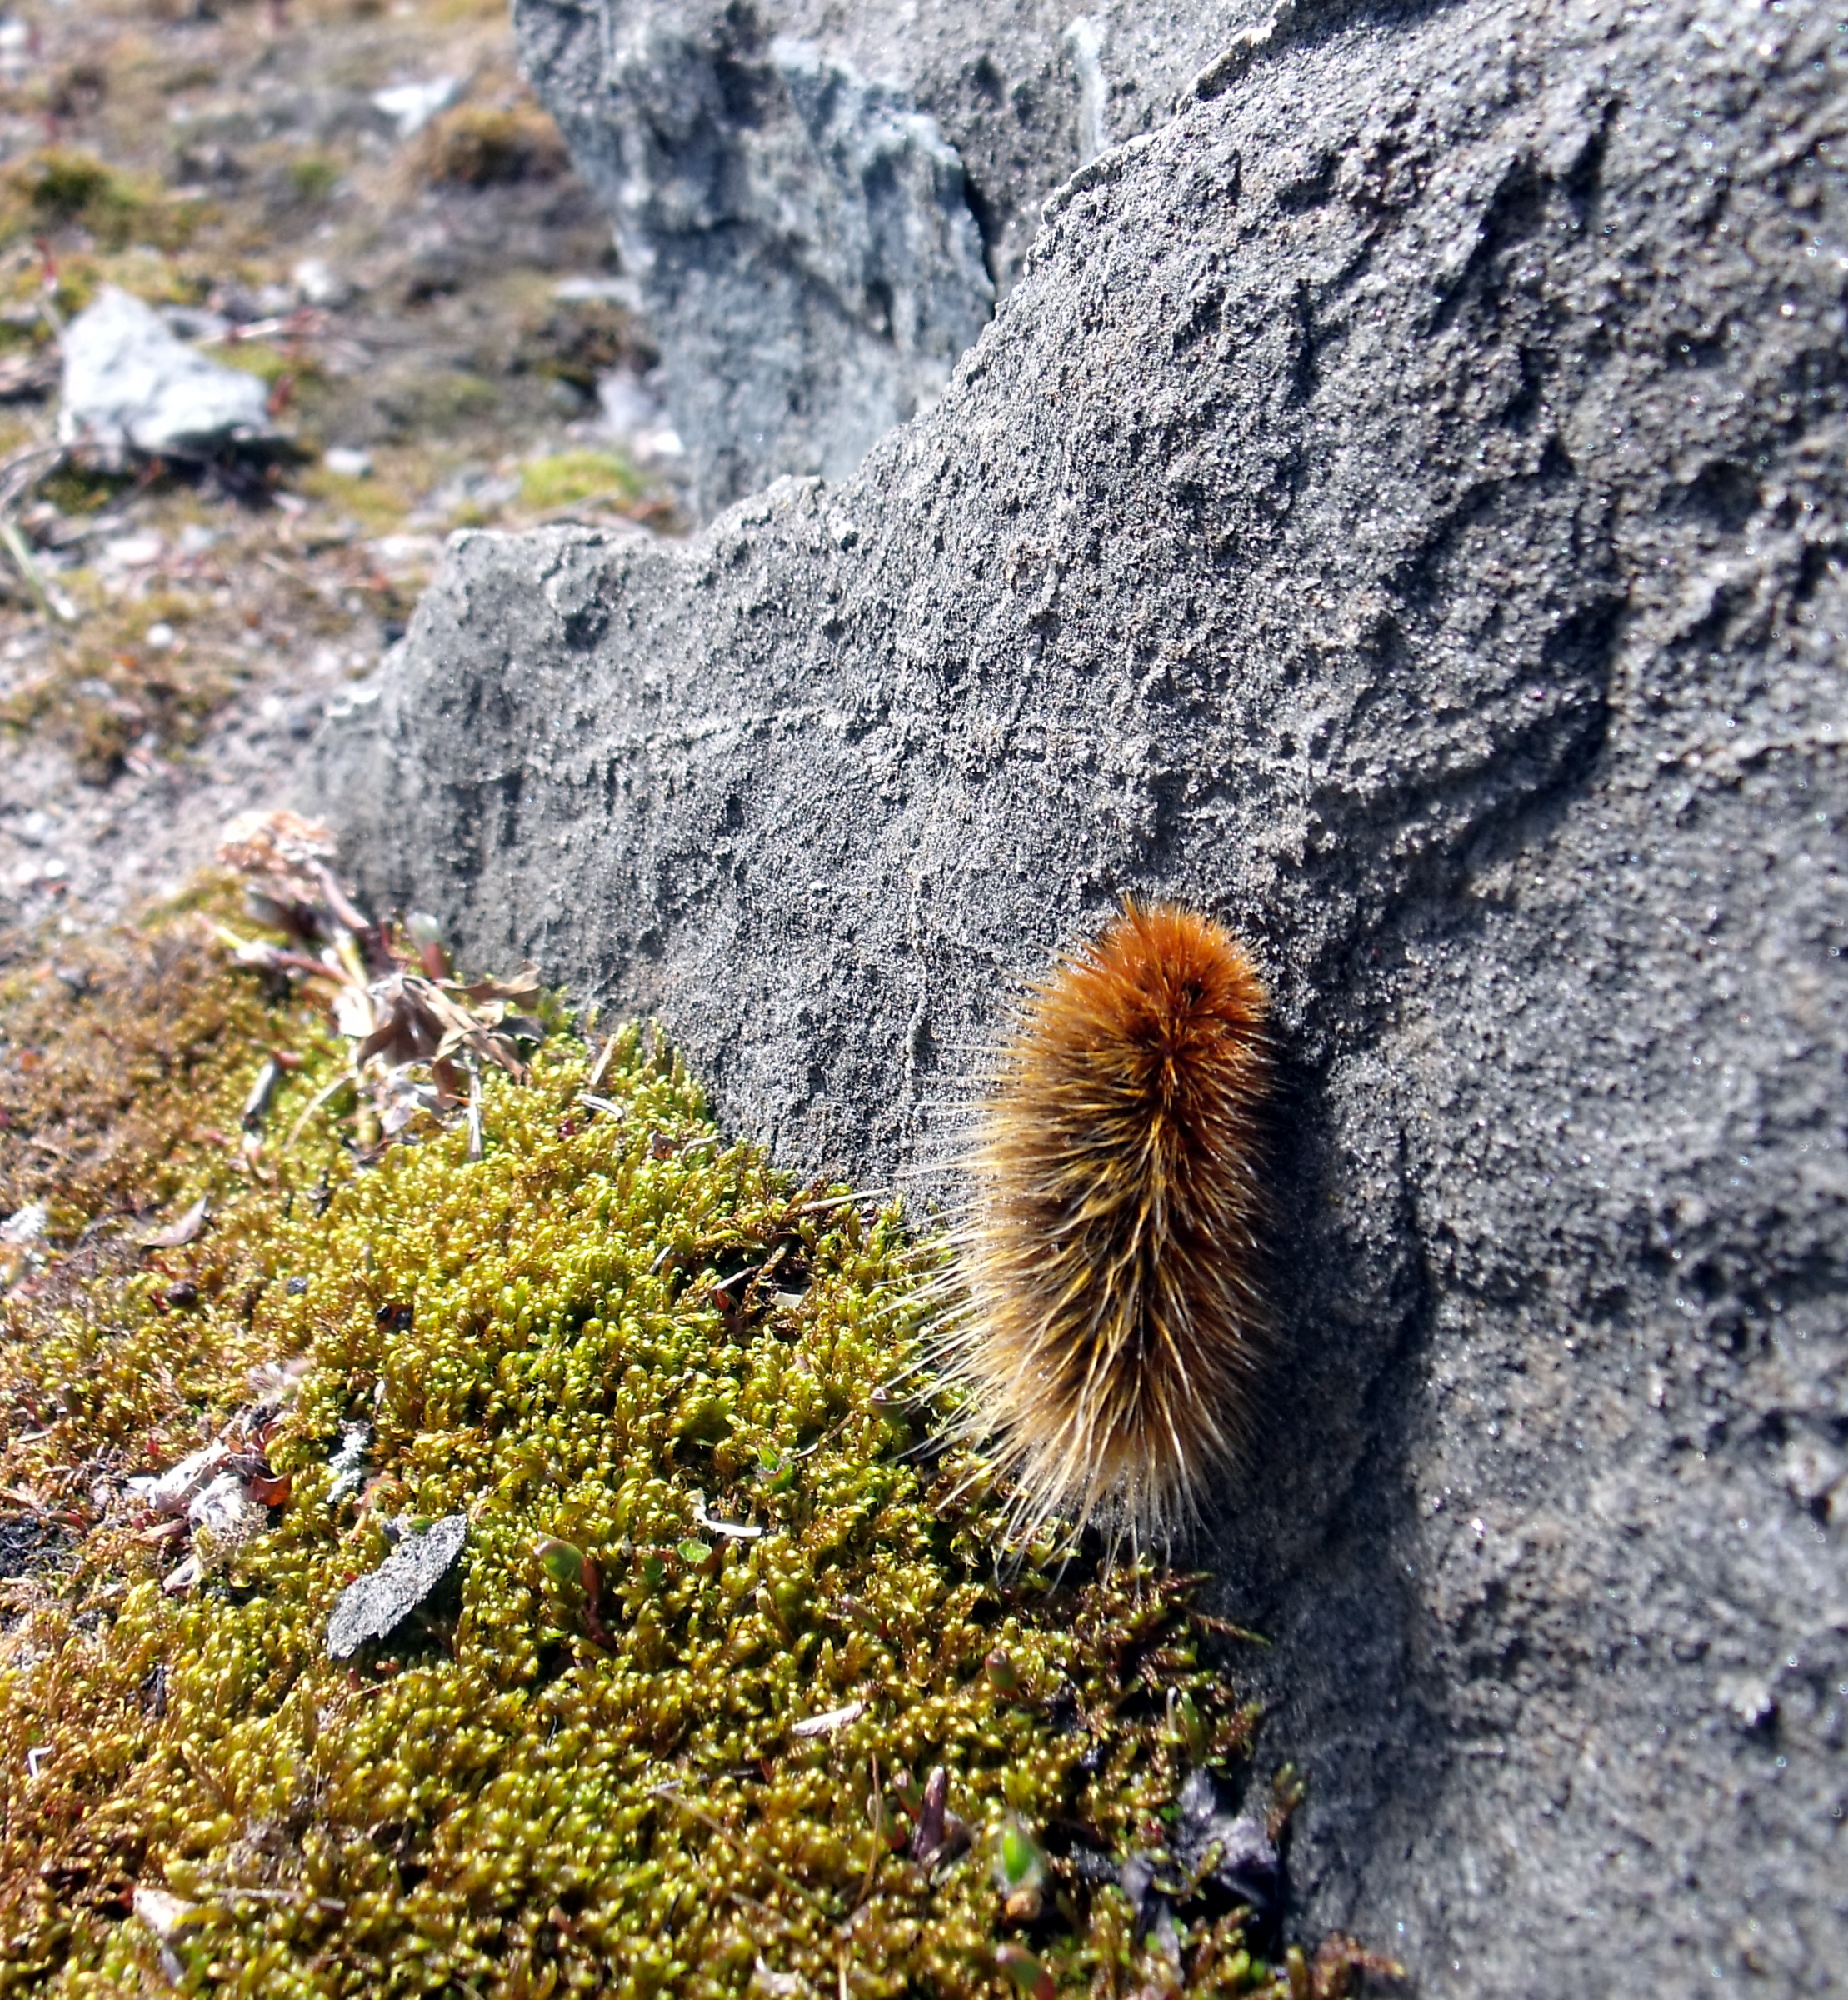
(613, 1328)
(196, 155)
(569, 478)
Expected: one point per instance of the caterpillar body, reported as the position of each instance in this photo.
(1109, 1258)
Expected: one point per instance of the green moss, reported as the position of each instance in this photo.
(59, 188)
(78, 489)
(110, 691)
(124, 1059)
(612, 1331)
(445, 398)
(259, 357)
(68, 187)
(154, 276)
(313, 177)
(399, 482)
(570, 478)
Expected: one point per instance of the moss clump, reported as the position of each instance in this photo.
(111, 693)
(269, 363)
(61, 188)
(653, 1376)
(313, 178)
(579, 340)
(482, 145)
(445, 399)
(124, 1059)
(74, 489)
(572, 478)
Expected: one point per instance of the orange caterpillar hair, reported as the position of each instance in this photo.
(1110, 1257)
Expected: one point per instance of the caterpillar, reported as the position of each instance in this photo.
(1109, 1255)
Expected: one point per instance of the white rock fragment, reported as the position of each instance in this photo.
(404, 552)
(16, 48)
(626, 402)
(635, 419)
(35, 872)
(130, 383)
(163, 1914)
(319, 284)
(412, 106)
(134, 552)
(167, 1917)
(583, 291)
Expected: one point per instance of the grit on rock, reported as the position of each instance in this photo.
(1400, 508)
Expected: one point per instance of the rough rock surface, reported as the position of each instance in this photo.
(809, 262)
(374, 1607)
(1401, 507)
(820, 202)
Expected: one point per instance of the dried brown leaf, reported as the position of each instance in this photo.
(283, 855)
(522, 990)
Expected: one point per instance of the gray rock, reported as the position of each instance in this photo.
(130, 383)
(414, 1572)
(318, 283)
(195, 323)
(1231, 1852)
(808, 261)
(812, 250)
(1401, 507)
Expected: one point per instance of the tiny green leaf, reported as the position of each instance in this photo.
(1020, 1859)
(560, 1561)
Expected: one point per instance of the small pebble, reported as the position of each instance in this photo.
(319, 284)
(377, 1604)
(134, 551)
